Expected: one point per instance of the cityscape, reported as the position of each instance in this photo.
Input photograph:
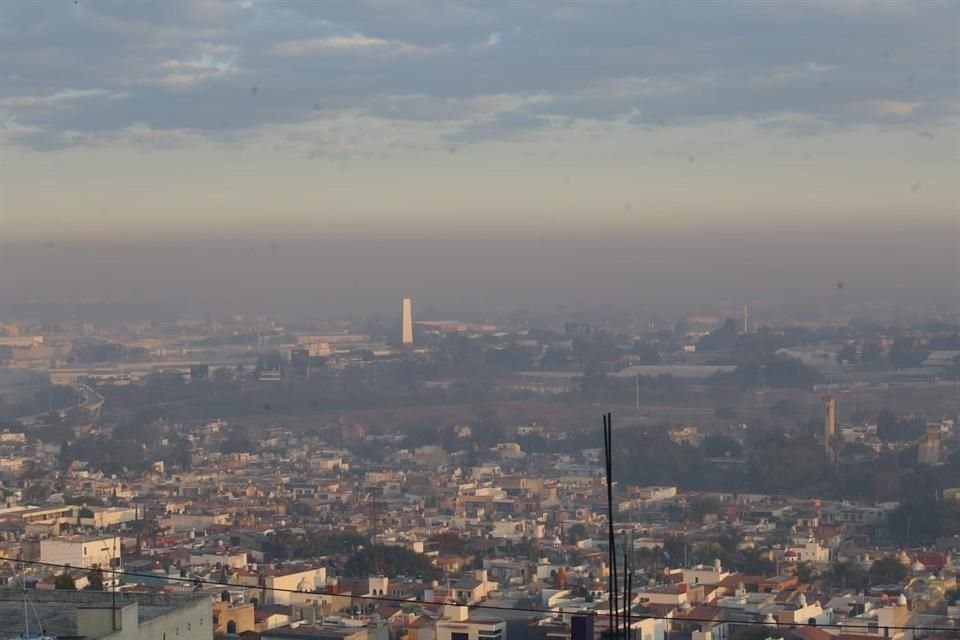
(443, 320)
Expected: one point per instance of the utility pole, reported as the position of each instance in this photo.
(373, 496)
(113, 587)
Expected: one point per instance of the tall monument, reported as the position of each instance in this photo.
(406, 333)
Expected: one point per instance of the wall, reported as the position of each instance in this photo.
(80, 554)
(191, 621)
(80, 598)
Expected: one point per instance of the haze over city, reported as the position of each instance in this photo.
(493, 320)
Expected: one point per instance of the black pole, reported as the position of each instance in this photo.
(626, 593)
(608, 459)
(629, 612)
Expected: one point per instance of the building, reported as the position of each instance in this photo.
(84, 552)
(406, 337)
(283, 585)
(705, 574)
(931, 446)
(191, 620)
(230, 618)
(95, 615)
(456, 624)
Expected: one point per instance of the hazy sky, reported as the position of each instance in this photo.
(278, 119)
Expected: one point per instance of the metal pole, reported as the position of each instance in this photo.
(113, 589)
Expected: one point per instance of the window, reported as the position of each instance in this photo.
(459, 636)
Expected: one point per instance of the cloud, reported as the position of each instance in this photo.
(507, 125)
(63, 97)
(889, 108)
(496, 69)
(347, 45)
(422, 107)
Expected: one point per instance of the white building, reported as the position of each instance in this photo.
(456, 624)
(283, 586)
(85, 552)
(705, 574)
(808, 551)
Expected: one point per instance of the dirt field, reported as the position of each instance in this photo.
(931, 400)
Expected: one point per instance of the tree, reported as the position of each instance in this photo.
(886, 424)
(65, 582)
(718, 446)
(237, 442)
(804, 572)
(924, 520)
(646, 354)
(489, 428)
(418, 435)
(391, 561)
(906, 353)
(285, 544)
(555, 359)
(871, 352)
(95, 578)
(779, 464)
(675, 550)
(848, 575)
(724, 337)
(887, 570)
(575, 533)
(725, 413)
(701, 506)
(784, 408)
(707, 552)
(848, 355)
(449, 544)
(753, 562)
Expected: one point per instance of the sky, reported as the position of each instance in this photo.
(271, 119)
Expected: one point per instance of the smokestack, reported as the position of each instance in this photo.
(830, 427)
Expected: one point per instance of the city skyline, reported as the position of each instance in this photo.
(684, 363)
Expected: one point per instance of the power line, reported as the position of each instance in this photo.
(486, 607)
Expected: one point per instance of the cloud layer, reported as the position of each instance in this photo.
(90, 72)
